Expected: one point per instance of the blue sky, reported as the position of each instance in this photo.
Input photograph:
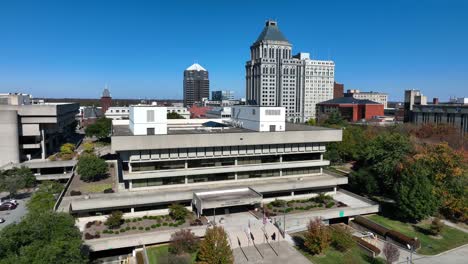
(140, 48)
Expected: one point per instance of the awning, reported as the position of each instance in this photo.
(225, 198)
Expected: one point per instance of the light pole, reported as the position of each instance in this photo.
(411, 253)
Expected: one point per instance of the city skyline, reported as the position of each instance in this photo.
(78, 48)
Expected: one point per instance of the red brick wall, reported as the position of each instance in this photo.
(105, 104)
(338, 90)
(374, 110)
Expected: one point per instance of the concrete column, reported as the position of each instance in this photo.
(43, 147)
(64, 170)
(130, 185)
(334, 189)
(132, 210)
(321, 157)
(281, 173)
(39, 171)
(292, 193)
(235, 161)
(321, 170)
(186, 178)
(129, 167)
(186, 165)
(235, 176)
(281, 158)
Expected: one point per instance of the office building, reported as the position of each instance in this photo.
(412, 98)
(338, 90)
(222, 95)
(30, 133)
(351, 109)
(381, 98)
(196, 84)
(118, 112)
(274, 77)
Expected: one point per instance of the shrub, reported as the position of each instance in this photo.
(178, 211)
(116, 232)
(140, 228)
(88, 236)
(89, 224)
(436, 226)
(134, 227)
(165, 224)
(139, 219)
(122, 230)
(75, 193)
(128, 220)
(127, 228)
(134, 220)
(278, 203)
(67, 148)
(342, 240)
(110, 232)
(317, 237)
(114, 220)
(109, 190)
(183, 241)
(330, 204)
(153, 226)
(145, 217)
(88, 147)
(158, 225)
(147, 228)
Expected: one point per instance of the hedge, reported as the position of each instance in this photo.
(403, 239)
(371, 225)
(367, 245)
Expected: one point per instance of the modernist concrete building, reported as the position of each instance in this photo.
(412, 98)
(196, 84)
(254, 149)
(276, 78)
(381, 98)
(450, 114)
(31, 132)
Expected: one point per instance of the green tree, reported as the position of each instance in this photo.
(101, 129)
(342, 239)
(183, 241)
(384, 155)
(415, 192)
(436, 226)
(363, 181)
(334, 119)
(91, 168)
(45, 237)
(214, 248)
(44, 199)
(88, 147)
(311, 122)
(15, 179)
(178, 211)
(317, 237)
(174, 115)
(115, 219)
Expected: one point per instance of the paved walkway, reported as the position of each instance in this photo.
(265, 253)
(456, 256)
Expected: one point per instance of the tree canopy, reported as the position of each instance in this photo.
(46, 237)
(44, 199)
(214, 248)
(15, 179)
(101, 129)
(174, 115)
(91, 168)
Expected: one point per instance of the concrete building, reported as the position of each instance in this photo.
(219, 112)
(453, 114)
(255, 149)
(351, 109)
(222, 95)
(118, 112)
(196, 84)
(274, 77)
(412, 98)
(148, 120)
(381, 98)
(31, 132)
(182, 111)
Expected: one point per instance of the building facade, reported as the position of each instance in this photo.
(338, 90)
(106, 100)
(381, 98)
(31, 132)
(274, 77)
(222, 95)
(196, 84)
(412, 98)
(351, 109)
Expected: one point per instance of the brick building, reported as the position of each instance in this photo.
(350, 108)
(338, 90)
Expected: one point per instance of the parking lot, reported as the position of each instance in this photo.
(16, 214)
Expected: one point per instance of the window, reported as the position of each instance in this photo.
(150, 131)
(149, 115)
(273, 112)
(253, 111)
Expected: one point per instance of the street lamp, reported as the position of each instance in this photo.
(411, 253)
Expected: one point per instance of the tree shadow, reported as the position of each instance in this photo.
(423, 230)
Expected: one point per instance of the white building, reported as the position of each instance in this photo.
(182, 111)
(262, 119)
(219, 112)
(148, 120)
(276, 78)
(381, 98)
(118, 112)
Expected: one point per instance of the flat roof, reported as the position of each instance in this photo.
(227, 194)
(124, 130)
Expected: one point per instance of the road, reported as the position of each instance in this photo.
(16, 214)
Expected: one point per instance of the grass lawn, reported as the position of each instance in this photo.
(430, 245)
(333, 256)
(156, 252)
(97, 187)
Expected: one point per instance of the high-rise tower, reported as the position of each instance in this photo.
(106, 100)
(276, 78)
(196, 84)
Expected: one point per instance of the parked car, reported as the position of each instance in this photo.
(7, 206)
(12, 201)
(2, 220)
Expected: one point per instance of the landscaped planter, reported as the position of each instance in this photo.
(278, 207)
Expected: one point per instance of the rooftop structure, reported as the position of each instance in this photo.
(381, 98)
(350, 108)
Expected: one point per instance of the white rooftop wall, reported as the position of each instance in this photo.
(259, 118)
(143, 119)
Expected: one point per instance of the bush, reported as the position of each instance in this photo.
(140, 228)
(88, 236)
(145, 217)
(147, 228)
(278, 203)
(75, 193)
(317, 237)
(183, 241)
(165, 224)
(436, 226)
(109, 190)
(89, 224)
(153, 226)
(158, 225)
(110, 232)
(134, 220)
(91, 168)
(122, 230)
(342, 240)
(134, 227)
(127, 228)
(67, 148)
(114, 220)
(330, 204)
(128, 220)
(178, 211)
(88, 147)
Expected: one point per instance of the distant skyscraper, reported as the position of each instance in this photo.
(196, 84)
(276, 78)
(106, 100)
(222, 95)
